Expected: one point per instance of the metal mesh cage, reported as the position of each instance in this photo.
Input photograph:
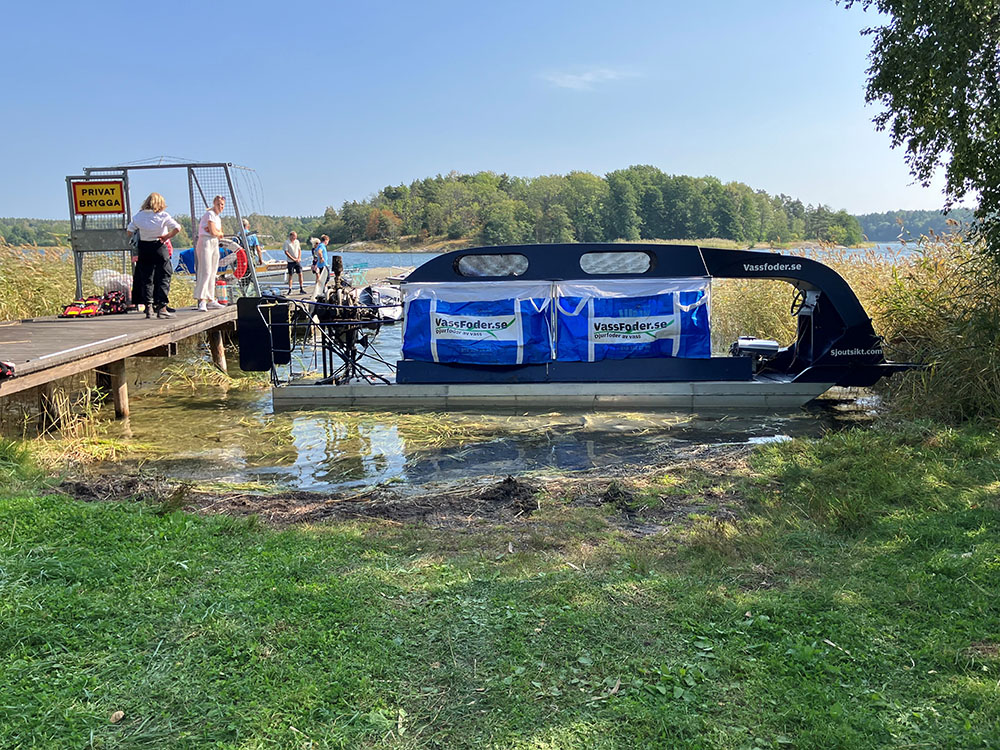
(206, 182)
(101, 251)
(104, 271)
(97, 221)
(101, 246)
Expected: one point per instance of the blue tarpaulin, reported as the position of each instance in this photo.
(506, 323)
(625, 319)
(496, 323)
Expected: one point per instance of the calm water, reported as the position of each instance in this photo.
(212, 435)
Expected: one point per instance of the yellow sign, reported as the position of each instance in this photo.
(106, 197)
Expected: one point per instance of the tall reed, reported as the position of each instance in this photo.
(35, 281)
(39, 281)
(942, 308)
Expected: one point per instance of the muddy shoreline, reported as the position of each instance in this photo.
(467, 504)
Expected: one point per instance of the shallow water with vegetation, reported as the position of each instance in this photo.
(233, 436)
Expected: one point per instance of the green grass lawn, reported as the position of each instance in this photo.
(855, 604)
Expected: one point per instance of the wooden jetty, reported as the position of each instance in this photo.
(44, 350)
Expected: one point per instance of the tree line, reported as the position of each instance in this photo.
(893, 226)
(640, 202)
(42, 232)
(272, 230)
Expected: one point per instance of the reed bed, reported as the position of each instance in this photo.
(38, 281)
(942, 308)
(35, 281)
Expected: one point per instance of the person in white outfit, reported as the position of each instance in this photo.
(206, 255)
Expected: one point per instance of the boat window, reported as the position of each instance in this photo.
(506, 264)
(622, 262)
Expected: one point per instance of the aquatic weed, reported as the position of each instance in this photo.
(194, 374)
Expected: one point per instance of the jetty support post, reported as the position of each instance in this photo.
(218, 349)
(111, 381)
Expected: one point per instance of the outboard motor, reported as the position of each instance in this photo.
(759, 350)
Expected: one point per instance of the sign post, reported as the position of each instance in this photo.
(98, 212)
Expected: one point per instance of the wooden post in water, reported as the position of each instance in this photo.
(218, 349)
(119, 388)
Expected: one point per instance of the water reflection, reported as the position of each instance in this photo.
(234, 437)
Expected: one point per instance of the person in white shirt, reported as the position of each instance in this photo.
(151, 277)
(206, 255)
(293, 251)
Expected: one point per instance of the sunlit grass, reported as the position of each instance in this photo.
(797, 623)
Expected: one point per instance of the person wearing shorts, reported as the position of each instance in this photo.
(293, 251)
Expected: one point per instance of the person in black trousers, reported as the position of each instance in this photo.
(151, 277)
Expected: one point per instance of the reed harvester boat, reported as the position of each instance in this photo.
(577, 325)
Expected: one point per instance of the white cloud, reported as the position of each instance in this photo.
(586, 80)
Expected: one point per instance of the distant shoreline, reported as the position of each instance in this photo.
(443, 246)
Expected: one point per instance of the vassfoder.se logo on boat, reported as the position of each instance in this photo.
(471, 327)
(631, 330)
(772, 266)
(636, 328)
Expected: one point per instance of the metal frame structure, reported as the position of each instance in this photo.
(110, 235)
(342, 338)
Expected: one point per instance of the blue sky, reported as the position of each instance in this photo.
(331, 101)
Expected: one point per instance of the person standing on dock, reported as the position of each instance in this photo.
(206, 255)
(253, 242)
(319, 266)
(293, 251)
(151, 277)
